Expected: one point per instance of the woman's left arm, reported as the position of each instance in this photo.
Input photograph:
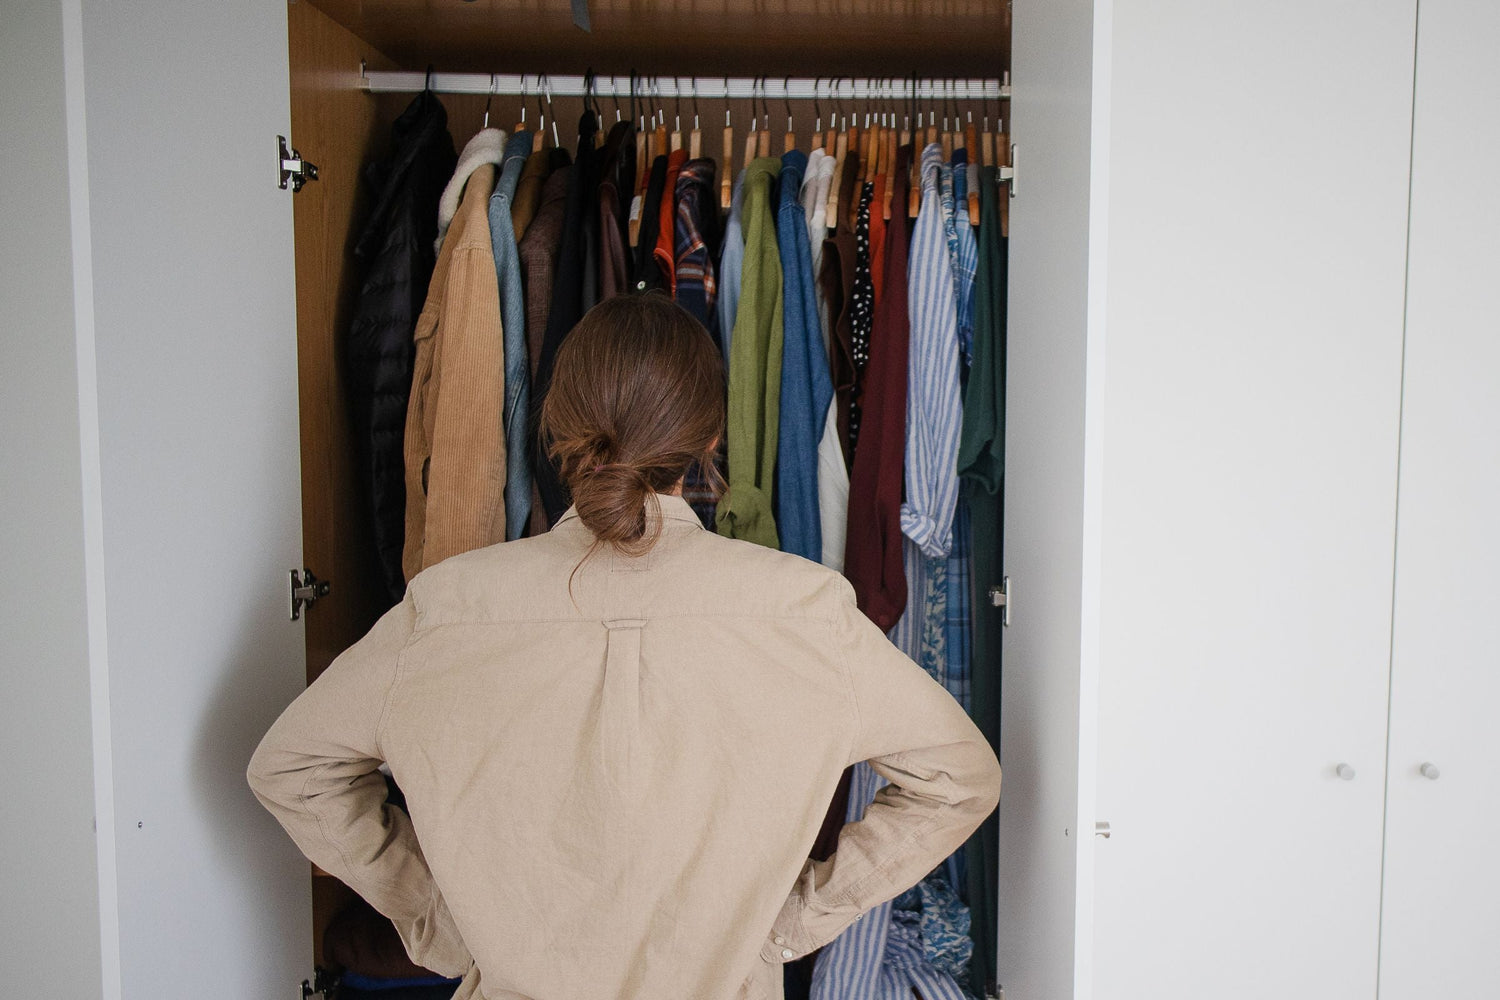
(317, 771)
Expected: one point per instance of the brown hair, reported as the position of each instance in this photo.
(637, 398)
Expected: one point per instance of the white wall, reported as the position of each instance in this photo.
(50, 921)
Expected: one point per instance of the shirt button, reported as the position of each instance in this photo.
(786, 953)
(780, 940)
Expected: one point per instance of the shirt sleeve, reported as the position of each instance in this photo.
(317, 771)
(944, 781)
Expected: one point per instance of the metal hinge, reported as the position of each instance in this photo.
(323, 982)
(306, 590)
(1000, 598)
(293, 167)
(1008, 174)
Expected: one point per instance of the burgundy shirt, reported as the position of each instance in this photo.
(872, 549)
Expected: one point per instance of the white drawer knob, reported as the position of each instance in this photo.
(1429, 771)
(1344, 771)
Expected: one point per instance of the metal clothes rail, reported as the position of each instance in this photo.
(709, 88)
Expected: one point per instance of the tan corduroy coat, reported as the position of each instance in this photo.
(613, 790)
(455, 434)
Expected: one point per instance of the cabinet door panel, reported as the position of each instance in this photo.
(1251, 409)
(1441, 912)
(197, 403)
(1043, 895)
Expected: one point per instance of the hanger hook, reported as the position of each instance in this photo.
(488, 98)
(695, 102)
(427, 82)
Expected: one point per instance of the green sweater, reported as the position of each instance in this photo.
(755, 368)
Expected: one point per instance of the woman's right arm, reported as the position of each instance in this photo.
(944, 780)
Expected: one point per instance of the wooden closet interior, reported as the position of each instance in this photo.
(340, 126)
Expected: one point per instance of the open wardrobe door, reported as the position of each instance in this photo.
(194, 341)
(1054, 356)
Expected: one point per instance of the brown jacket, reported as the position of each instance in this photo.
(615, 766)
(455, 438)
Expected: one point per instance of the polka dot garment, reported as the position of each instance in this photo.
(861, 305)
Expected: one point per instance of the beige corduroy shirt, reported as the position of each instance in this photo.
(455, 435)
(613, 792)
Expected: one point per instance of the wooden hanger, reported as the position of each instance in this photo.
(726, 182)
(695, 137)
(521, 125)
(763, 139)
(817, 134)
(830, 140)
(948, 135)
(789, 141)
(538, 138)
(888, 168)
(676, 140)
(840, 151)
(971, 178)
(914, 179)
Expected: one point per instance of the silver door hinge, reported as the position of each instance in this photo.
(306, 590)
(293, 167)
(323, 984)
(1000, 598)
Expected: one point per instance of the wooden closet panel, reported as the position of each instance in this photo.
(336, 126)
(708, 37)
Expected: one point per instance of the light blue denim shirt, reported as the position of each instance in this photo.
(806, 385)
(731, 263)
(513, 322)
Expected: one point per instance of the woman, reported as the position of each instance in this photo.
(618, 740)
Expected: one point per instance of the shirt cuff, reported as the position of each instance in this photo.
(924, 531)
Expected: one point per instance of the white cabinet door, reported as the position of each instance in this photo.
(1051, 352)
(195, 346)
(1441, 912)
(1257, 228)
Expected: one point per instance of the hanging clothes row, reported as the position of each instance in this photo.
(856, 292)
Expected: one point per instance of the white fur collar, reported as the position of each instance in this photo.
(487, 146)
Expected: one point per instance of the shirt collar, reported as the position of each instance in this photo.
(673, 508)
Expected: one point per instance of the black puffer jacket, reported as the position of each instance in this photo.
(396, 251)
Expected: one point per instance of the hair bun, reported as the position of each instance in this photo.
(611, 502)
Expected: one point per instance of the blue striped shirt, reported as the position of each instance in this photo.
(934, 412)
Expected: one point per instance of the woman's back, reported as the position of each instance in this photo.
(617, 741)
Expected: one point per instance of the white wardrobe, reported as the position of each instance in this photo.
(1253, 444)
(1250, 689)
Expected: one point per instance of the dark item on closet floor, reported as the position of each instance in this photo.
(361, 939)
(395, 250)
(360, 990)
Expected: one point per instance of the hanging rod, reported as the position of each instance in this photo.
(794, 88)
